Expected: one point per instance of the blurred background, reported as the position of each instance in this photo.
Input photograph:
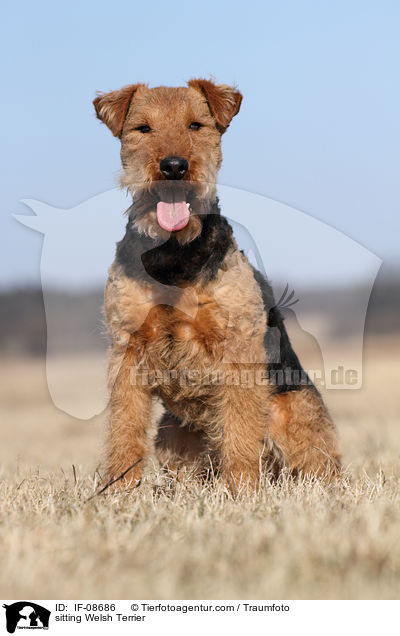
(318, 131)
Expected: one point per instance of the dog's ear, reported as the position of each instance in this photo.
(223, 101)
(112, 107)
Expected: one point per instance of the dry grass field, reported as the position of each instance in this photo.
(186, 540)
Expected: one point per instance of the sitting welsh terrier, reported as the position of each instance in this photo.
(190, 320)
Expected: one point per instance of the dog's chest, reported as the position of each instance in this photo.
(205, 324)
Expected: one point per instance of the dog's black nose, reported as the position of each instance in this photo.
(174, 167)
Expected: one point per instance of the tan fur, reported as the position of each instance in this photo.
(130, 413)
(211, 326)
(186, 338)
(113, 107)
(223, 101)
(169, 112)
(310, 449)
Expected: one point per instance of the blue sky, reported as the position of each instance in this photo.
(319, 127)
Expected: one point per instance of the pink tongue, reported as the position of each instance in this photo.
(172, 216)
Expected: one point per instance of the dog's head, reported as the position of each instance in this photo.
(170, 150)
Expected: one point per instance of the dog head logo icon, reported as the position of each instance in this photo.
(26, 615)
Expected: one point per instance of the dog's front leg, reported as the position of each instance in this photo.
(130, 418)
(239, 434)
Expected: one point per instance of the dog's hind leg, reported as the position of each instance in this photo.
(303, 433)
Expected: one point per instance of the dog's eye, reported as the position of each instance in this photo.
(143, 129)
(195, 125)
